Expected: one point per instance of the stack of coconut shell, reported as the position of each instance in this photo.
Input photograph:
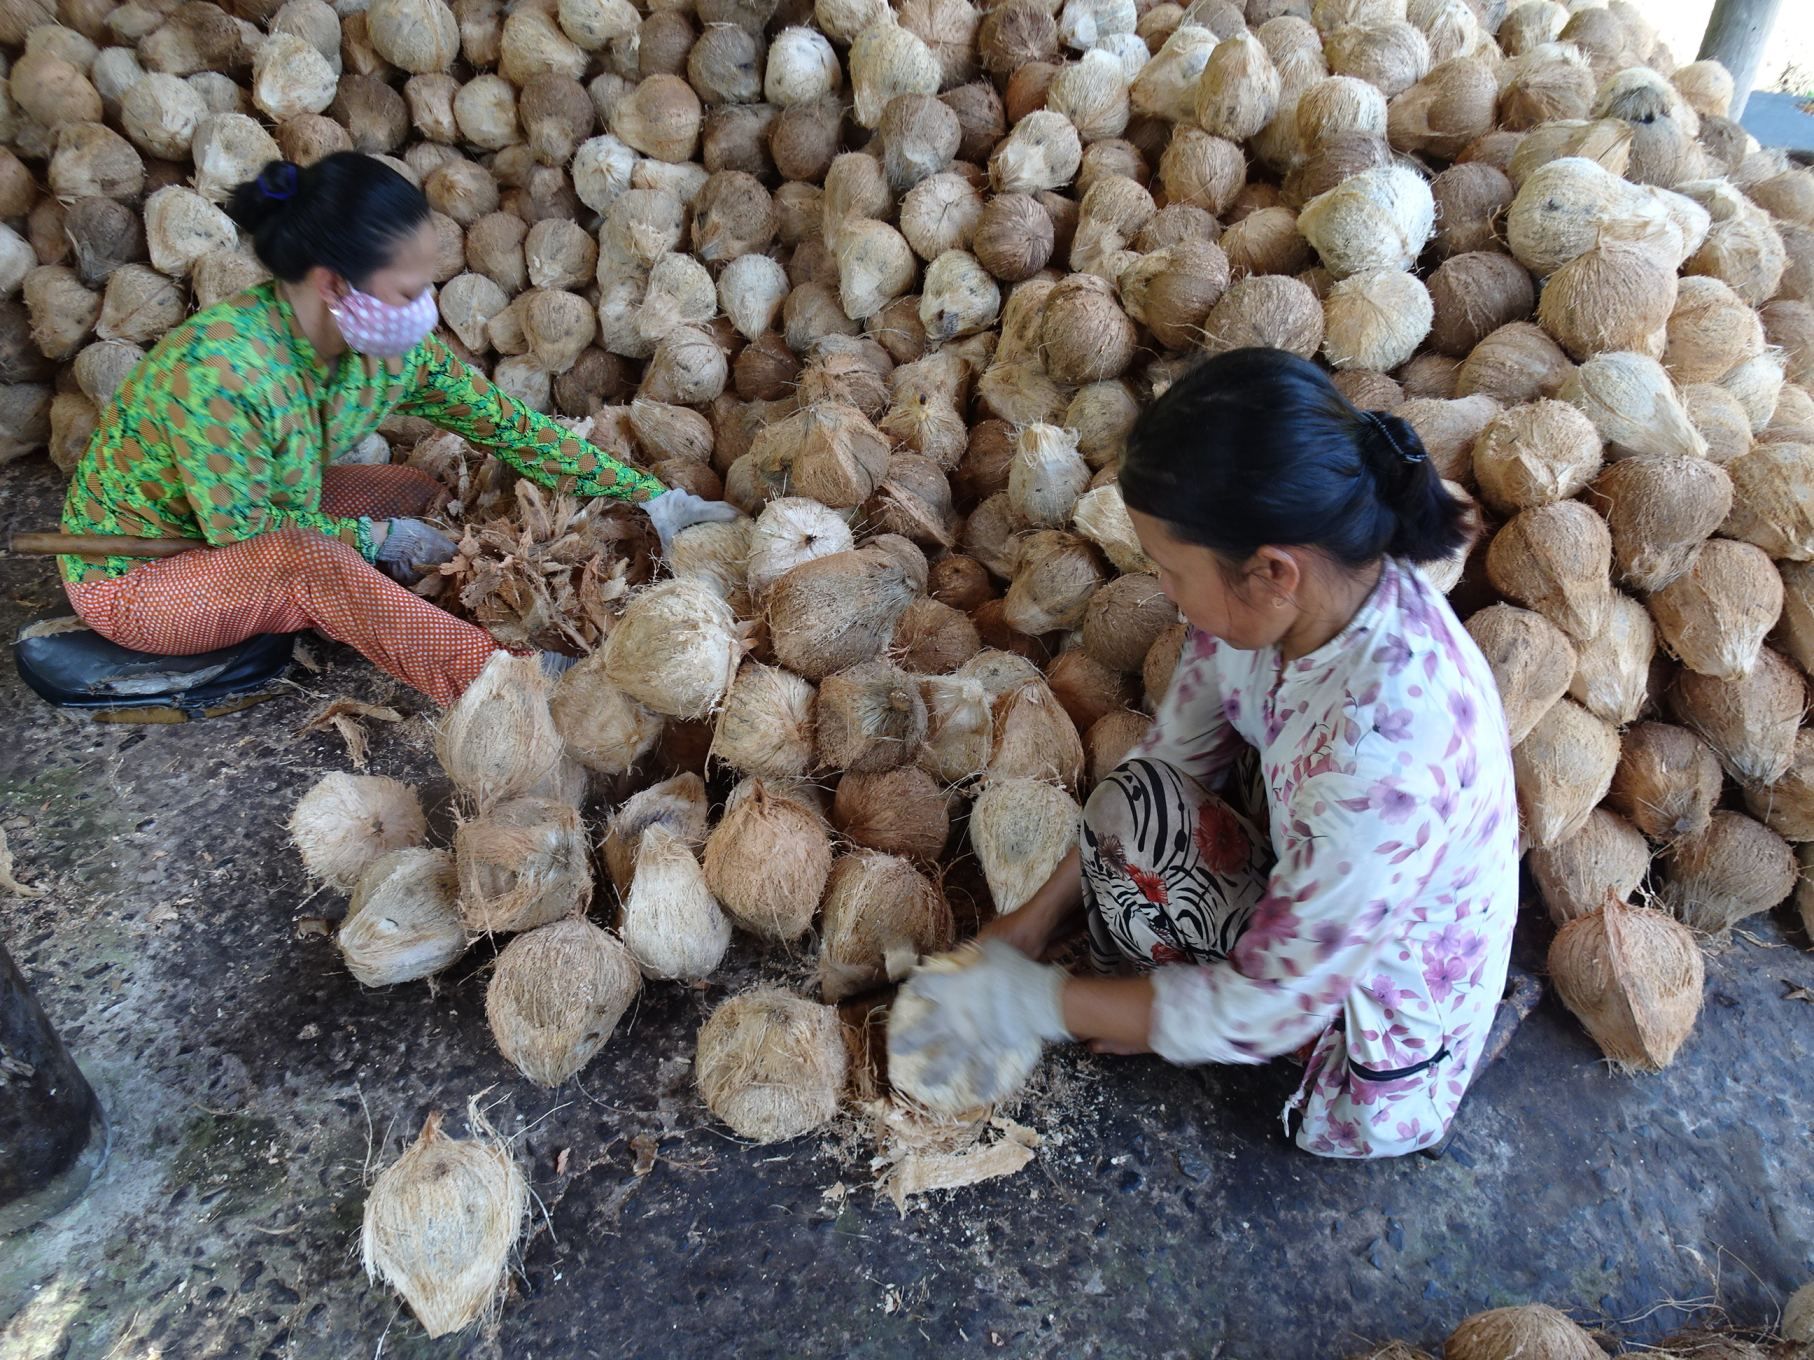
(896, 279)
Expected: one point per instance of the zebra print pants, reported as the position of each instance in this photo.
(1171, 871)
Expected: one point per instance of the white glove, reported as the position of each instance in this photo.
(674, 510)
(976, 1020)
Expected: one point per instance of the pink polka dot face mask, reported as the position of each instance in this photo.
(381, 330)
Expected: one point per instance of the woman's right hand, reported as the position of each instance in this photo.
(1046, 915)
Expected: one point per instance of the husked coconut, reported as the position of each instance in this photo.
(1604, 861)
(403, 922)
(1532, 662)
(1787, 806)
(869, 718)
(499, 740)
(675, 649)
(1375, 319)
(1529, 1329)
(1660, 510)
(1055, 576)
(1556, 559)
(557, 994)
(1516, 363)
(1733, 868)
(1715, 616)
(1612, 668)
(771, 1065)
(766, 724)
(441, 1222)
(1563, 769)
(522, 865)
(1667, 782)
(1710, 331)
(960, 727)
(881, 913)
(672, 925)
(1268, 311)
(346, 822)
(766, 861)
(839, 610)
(680, 804)
(902, 811)
(1020, 830)
(1773, 499)
(1611, 297)
(1123, 620)
(1379, 219)
(1535, 454)
(1749, 722)
(1035, 738)
(1633, 405)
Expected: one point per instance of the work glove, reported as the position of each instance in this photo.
(978, 1020)
(410, 545)
(674, 510)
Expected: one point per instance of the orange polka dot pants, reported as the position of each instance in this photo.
(292, 579)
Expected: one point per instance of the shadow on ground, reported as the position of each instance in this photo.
(254, 1087)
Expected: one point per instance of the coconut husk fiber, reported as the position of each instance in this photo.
(839, 610)
(672, 925)
(346, 822)
(1787, 806)
(934, 1086)
(549, 572)
(960, 727)
(521, 865)
(1532, 662)
(901, 812)
(766, 724)
(1563, 769)
(441, 1222)
(767, 859)
(1557, 560)
(403, 922)
(1750, 722)
(771, 1065)
(1613, 667)
(675, 649)
(680, 804)
(881, 913)
(556, 995)
(1534, 454)
(1715, 616)
(1532, 1329)
(1605, 860)
(1659, 511)
(1732, 868)
(1633, 976)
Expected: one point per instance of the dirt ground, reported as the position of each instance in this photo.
(254, 1089)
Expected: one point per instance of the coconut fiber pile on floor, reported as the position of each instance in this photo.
(895, 280)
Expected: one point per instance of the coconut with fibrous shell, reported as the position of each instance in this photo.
(767, 859)
(902, 811)
(1613, 667)
(1531, 1329)
(1516, 363)
(1557, 560)
(440, 1224)
(1771, 506)
(870, 717)
(1268, 311)
(881, 913)
(789, 532)
(1572, 204)
(1667, 783)
(771, 1065)
(499, 740)
(556, 995)
(933, 638)
(346, 822)
(1379, 219)
(766, 724)
(1055, 575)
(1633, 405)
(839, 610)
(1532, 662)
(1749, 722)
(1375, 319)
(1042, 152)
(1474, 294)
(1714, 616)
(603, 728)
(1020, 830)
(403, 922)
(522, 864)
(1611, 297)
(1606, 858)
(1124, 618)
(960, 727)
(680, 804)
(672, 925)
(1659, 510)
(1732, 868)
(1047, 475)
(1563, 768)
(1633, 976)
(1710, 330)
(1034, 737)
(1535, 454)
(675, 649)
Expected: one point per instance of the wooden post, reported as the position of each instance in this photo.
(1735, 38)
(52, 1135)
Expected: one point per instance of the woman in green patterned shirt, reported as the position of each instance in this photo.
(225, 432)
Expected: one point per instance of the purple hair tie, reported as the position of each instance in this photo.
(279, 185)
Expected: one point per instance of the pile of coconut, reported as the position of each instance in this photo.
(895, 280)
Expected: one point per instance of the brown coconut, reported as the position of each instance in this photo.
(556, 996)
(1474, 295)
(1750, 722)
(1733, 868)
(869, 718)
(1035, 738)
(1633, 405)
(1606, 859)
(1633, 976)
(1612, 668)
(1265, 310)
(1471, 200)
(771, 1065)
(403, 922)
(1086, 689)
(680, 804)
(521, 865)
(1795, 635)
(1612, 297)
(1710, 330)
(1771, 506)
(1516, 363)
(767, 861)
(839, 610)
(1659, 511)
(902, 812)
(1084, 335)
(1714, 617)
(1532, 662)
(1124, 619)
(1535, 454)
(1531, 1329)
(1563, 769)
(881, 913)
(933, 638)
(960, 727)
(1787, 806)
(1667, 783)
(603, 728)
(1055, 575)
(766, 725)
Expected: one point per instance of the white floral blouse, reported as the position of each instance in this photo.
(1385, 931)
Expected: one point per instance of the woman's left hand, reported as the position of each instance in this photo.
(674, 510)
(1001, 1003)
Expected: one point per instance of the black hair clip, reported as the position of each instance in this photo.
(279, 184)
(1378, 422)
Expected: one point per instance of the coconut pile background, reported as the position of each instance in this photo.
(896, 281)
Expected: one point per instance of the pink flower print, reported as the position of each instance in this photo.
(1388, 994)
(1394, 724)
(1231, 707)
(1453, 939)
(1275, 922)
(1221, 840)
(1202, 645)
(1328, 936)
(1445, 800)
(1411, 1131)
(1394, 654)
(1444, 975)
(1393, 804)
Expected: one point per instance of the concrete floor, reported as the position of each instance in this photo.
(254, 1087)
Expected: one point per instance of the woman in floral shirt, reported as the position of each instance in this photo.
(225, 432)
(1362, 919)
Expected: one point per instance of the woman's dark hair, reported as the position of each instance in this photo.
(1257, 447)
(346, 213)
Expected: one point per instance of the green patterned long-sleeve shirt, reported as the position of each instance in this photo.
(222, 432)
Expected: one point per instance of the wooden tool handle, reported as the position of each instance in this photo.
(102, 545)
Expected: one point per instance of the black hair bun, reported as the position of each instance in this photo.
(263, 198)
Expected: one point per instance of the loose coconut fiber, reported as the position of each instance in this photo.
(1530, 1330)
(345, 822)
(921, 1076)
(1605, 860)
(440, 1223)
(766, 861)
(403, 922)
(771, 1065)
(1633, 976)
(1021, 829)
(1563, 769)
(1532, 661)
(521, 865)
(881, 913)
(499, 740)
(672, 925)
(1733, 868)
(556, 995)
